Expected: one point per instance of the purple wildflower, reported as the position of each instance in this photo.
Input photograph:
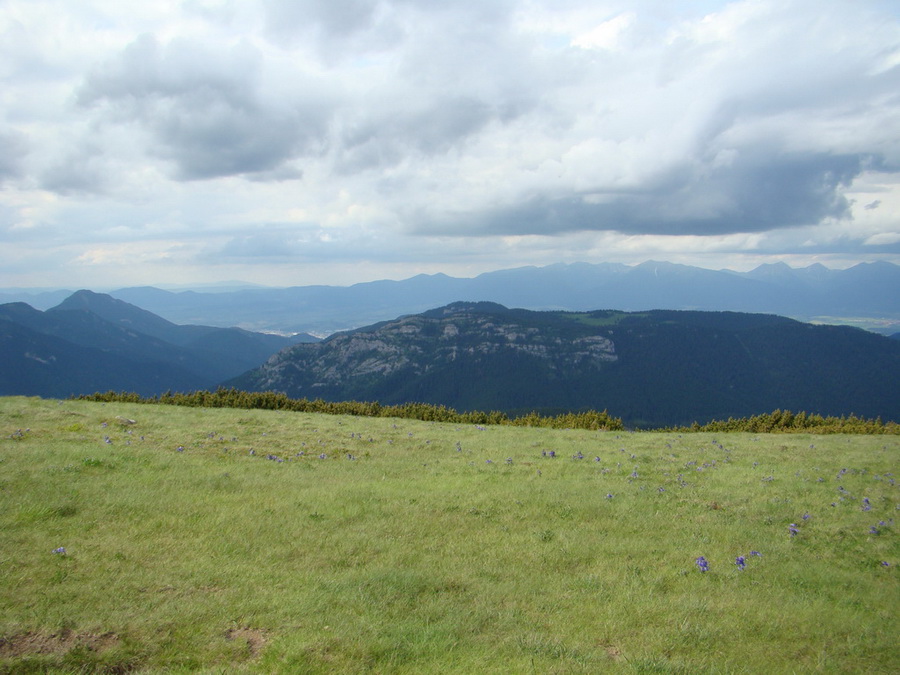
(873, 530)
(609, 495)
(792, 528)
(866, 505)
(180, 448)
(323, 456)
(702, 564)
(740, 562)
(885, 563)
(552, 453)
(59, 551)
(756, 553)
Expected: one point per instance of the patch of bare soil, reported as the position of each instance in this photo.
(254, 638)
(23, 644)
(614, 653)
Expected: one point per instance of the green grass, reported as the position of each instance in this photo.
(421, 556)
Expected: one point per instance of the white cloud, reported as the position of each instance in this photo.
(607, 35)
(412, 135)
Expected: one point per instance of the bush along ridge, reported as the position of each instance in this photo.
(778, 421)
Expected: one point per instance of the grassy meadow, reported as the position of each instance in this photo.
(245, 541)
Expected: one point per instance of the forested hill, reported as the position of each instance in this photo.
(93, 342)
(654, 368)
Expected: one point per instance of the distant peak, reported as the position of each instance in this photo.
(109, 308)
(85, 299)
(772, 271)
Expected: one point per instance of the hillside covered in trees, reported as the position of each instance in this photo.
(652, 369)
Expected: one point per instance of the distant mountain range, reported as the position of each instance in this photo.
(651, 368)
(654, 368)
(867, 295)
(94, 342)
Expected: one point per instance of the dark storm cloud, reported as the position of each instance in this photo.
(757, 192)
(434, 128)
(204, 108)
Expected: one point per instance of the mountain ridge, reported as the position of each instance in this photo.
(652, 369)
(92, 341)
(867, 291)
(867, 295)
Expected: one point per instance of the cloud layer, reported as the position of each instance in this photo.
(208, 137)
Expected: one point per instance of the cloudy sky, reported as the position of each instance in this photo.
(293, 142)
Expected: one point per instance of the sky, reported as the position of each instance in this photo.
(297, 142)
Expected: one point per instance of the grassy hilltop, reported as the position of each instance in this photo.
(229, 541)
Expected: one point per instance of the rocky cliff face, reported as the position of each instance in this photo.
(425, 343)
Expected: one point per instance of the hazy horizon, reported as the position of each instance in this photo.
(237, 283)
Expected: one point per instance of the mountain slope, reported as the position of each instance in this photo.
(652, 369)
(219, 353)
(41, 364)
(92, 341)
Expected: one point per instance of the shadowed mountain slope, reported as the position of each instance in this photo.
(94, 342)
(651, 368)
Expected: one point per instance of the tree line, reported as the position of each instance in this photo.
(785, 421)
(269, 400)
(778, 421)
